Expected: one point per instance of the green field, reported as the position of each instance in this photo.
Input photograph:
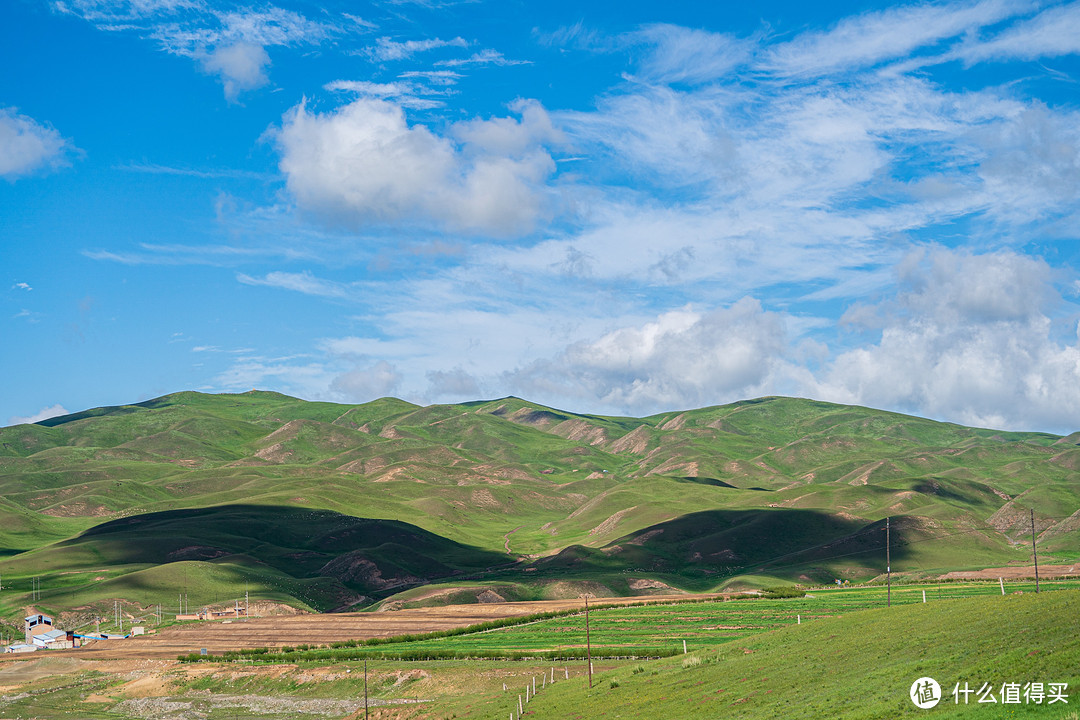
(850, 658)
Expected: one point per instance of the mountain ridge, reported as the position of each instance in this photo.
(563, 497)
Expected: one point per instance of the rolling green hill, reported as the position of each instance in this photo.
(220, 494)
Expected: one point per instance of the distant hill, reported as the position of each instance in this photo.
(222, 493)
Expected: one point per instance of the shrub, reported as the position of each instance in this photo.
(783, 591)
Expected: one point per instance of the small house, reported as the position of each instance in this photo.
(20, 648)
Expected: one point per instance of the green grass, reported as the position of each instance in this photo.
(857, 665)
(850, 658)
(643, 629)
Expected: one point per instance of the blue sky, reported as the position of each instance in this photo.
(605, 207)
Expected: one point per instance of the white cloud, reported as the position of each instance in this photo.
(405, 94)
(27, 146)
(684, 358)
(484, 57)
(455, 383)
(1053, 32)
(364, 163)
(684, 55)
(884, 35)
(434, 77)
(968, 338)
(124, 11)
(228, 43)
(386, 49)
(328, 378)
(1030, 164)
(42, 414)
(21, 286)
(304, 282)
(241, 66)
(363, 384)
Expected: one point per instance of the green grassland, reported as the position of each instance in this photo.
(850, 657)
(856, 665)
(218, 495)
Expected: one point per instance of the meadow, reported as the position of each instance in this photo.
(850, 657)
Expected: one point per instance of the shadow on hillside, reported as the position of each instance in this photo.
(714, 482)
(713, 544)
(364, 554)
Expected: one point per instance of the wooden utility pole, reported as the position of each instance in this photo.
(365, 690)
(1034, 555)
(588, 645)
(888, 566)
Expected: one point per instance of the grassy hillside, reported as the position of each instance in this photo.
(858, 665)
(105, 501)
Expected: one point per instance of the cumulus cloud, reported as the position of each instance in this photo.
(365, 163)
(968, 338)
(363, 384)
(27, 146)
(683, 358)
(241, 66)
(456, 384)
(42, 414)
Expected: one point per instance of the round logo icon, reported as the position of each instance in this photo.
(925, 693)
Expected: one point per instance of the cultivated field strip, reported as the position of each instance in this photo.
(323, 629)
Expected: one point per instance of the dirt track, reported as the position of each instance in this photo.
(218, 636)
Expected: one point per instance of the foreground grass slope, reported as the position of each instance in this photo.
(856, 666)
(780, 487)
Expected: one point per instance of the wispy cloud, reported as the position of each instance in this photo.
(386, 49)
(207, 174)
(217, 255)
(885, 35)
(405, 94)
(229, 43)
(484, 57)
(303, 282)
(1051, 33)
